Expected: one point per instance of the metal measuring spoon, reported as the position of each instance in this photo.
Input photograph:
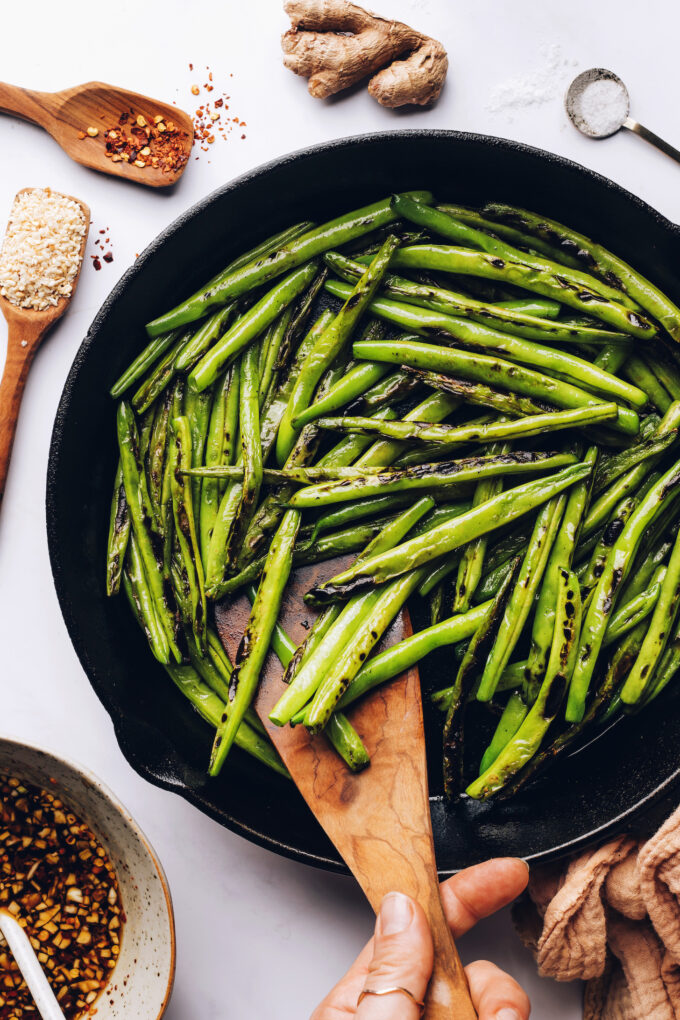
(598, 104)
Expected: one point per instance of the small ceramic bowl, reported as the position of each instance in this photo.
(141, 982)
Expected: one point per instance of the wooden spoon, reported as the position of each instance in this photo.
(66, 114)
(379, 820)
(27, 329)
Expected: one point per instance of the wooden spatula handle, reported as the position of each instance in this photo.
(448, 995)
(14, 377)
(38, 107)
(408, 866)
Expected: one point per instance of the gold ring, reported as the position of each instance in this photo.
(390, 991)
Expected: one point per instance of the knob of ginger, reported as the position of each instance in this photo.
(335, 43)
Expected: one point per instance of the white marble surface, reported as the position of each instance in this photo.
(258, 935)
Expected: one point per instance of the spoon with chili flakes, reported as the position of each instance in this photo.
(110, 129)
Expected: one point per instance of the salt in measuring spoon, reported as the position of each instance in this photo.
(598, 104)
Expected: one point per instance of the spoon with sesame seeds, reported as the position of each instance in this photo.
(40, 262)
(110, 129)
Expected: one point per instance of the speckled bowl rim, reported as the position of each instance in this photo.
(132, 824)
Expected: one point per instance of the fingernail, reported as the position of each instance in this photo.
(508, 1014)
(396, 914)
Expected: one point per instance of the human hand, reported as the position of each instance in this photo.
(400, 952)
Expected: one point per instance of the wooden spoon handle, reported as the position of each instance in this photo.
(38, 107)
(11, 391)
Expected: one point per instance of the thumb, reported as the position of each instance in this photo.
(402, 958)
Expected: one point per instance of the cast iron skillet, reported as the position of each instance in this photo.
(596, 791)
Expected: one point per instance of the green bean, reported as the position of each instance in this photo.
(149, 356)
(617, 668)
(119, 534)
(196, 409)
(270, 351)
(314, 667)
(436, 575)
(147, 539)
(434, 408)
(185, 530)
(472, 334)
(498, 317)
(667, 669)
(293, 341)
(502, 509)
(625, 486)
(220, 659)
(204, 337)
(255, 642)
(443, 474)
(156, 456)
(604, 596)
(647, 562)
(407, 652)
(511, 678)
(561, 557)
(251, 452)
(522, 597)
(140, 592)
(595, 256)
(210, 707)
(329, 345)
(248, 326)
(206, 669)
(531, 425)
(471, 562)
(328, 547)
(640, 375)
(656, 638)
(630, 613)
(347, 741)
(214, 454)
(351, 386)
(476, 393)
(230, 284)
(491, 370)
(383, 452)
(464, 261)
(339, 731)
(665, 372)
(533, 727)
(514, 714)
(394, 387)
(466, 678)
(622, 462)
(447, 226)
(268, 515)
(370, 507)
(516, 237)
(167, 521)
(161, 376)
(367, 633)
(600, 554)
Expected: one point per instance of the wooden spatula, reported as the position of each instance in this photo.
(379, 820)
(27, 329)
(65, 115)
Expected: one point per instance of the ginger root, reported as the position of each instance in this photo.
(335, 44)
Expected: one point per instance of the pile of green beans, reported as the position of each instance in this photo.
(508, 468)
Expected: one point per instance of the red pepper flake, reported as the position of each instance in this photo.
(96, 263)
(108, 256)
(208, 119)
(156, 142)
